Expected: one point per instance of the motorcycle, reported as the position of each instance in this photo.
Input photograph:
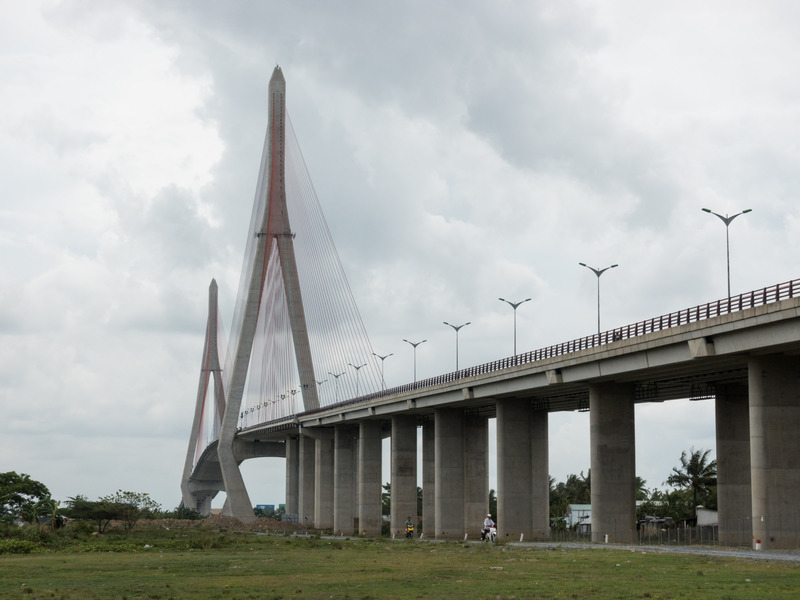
(490, 534)
(409, 531)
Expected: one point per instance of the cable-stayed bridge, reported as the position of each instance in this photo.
(297, 379)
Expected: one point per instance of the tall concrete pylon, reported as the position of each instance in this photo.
(274, 226)
(197, 494)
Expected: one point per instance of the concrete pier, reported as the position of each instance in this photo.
(734, 500)
(476, 473)
(323, 483)
(370, 447)
(613, 452)
(429, 478)
(306, 479)
(344, 477)
(449, 469)
(514, 456)
(774, 390)
(292, 476)
(404, 472)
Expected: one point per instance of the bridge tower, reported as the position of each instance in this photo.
(197, 493)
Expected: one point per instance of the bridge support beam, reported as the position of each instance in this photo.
(323, 485)
(344, 478)
(370, 446)
(774, 390)
(733, 465)
(613, 460)
(404, 471)
(450, 497)
(476, 473)
(306, 478)
(292, 478)
(429, 478)
(522, 471)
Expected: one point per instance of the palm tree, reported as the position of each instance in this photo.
(695, 473)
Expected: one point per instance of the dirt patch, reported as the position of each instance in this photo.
(221, 523)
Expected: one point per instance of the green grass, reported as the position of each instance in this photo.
(191, 564)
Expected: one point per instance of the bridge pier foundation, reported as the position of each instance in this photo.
(344, 477)
(733, 465)
(306, 479)
(404, 471)
(774, 390)
(613, 460)
(370, 446)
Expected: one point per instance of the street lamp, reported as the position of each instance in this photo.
(337, 382)
(456, 328)
(598, 272)
(727, 220)
(357, 368)
(383, 358)
(415, 344)
(514, 305)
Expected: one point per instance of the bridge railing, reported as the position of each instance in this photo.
(767, 295)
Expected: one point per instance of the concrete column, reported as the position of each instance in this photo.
(449, 450)
(292, 475)
(429, 478)
(323, 485)
(774, 390)
(305, 479)
(514, 501)
(476, 474)
(344, 486)
(540, 475)
(369, 478)
(404, 471)
(204, 506)
(613, 450)
(733, 465)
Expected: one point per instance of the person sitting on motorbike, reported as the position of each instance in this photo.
(409, 528)
(487, 525)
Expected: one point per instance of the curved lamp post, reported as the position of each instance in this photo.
(456, 328)
(357, 368)
(415, 344)
(337, 382)
(514, 305)
(383, 358)
(598, 272)
(727, 220)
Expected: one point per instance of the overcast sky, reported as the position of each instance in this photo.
(461, 151)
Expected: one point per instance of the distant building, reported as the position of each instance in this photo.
(579, 517)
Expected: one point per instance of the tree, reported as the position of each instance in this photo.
(22, 497)
(129, 507)
(493, 503)
(99, 511)
(696, 474)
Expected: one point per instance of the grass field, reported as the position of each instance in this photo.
(194, 564)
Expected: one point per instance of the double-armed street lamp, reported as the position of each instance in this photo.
(383, 358)
(357, 368)
(727, 220)
(337, 382)
(598, 272)
(456, 328)
(415, 344)
(514, 305)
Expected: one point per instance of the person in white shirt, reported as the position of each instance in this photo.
(487, 525)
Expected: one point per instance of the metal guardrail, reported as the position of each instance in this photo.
(767, 295)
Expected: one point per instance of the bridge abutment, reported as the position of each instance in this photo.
(613, 460)
(733, 465)
(774, 390)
